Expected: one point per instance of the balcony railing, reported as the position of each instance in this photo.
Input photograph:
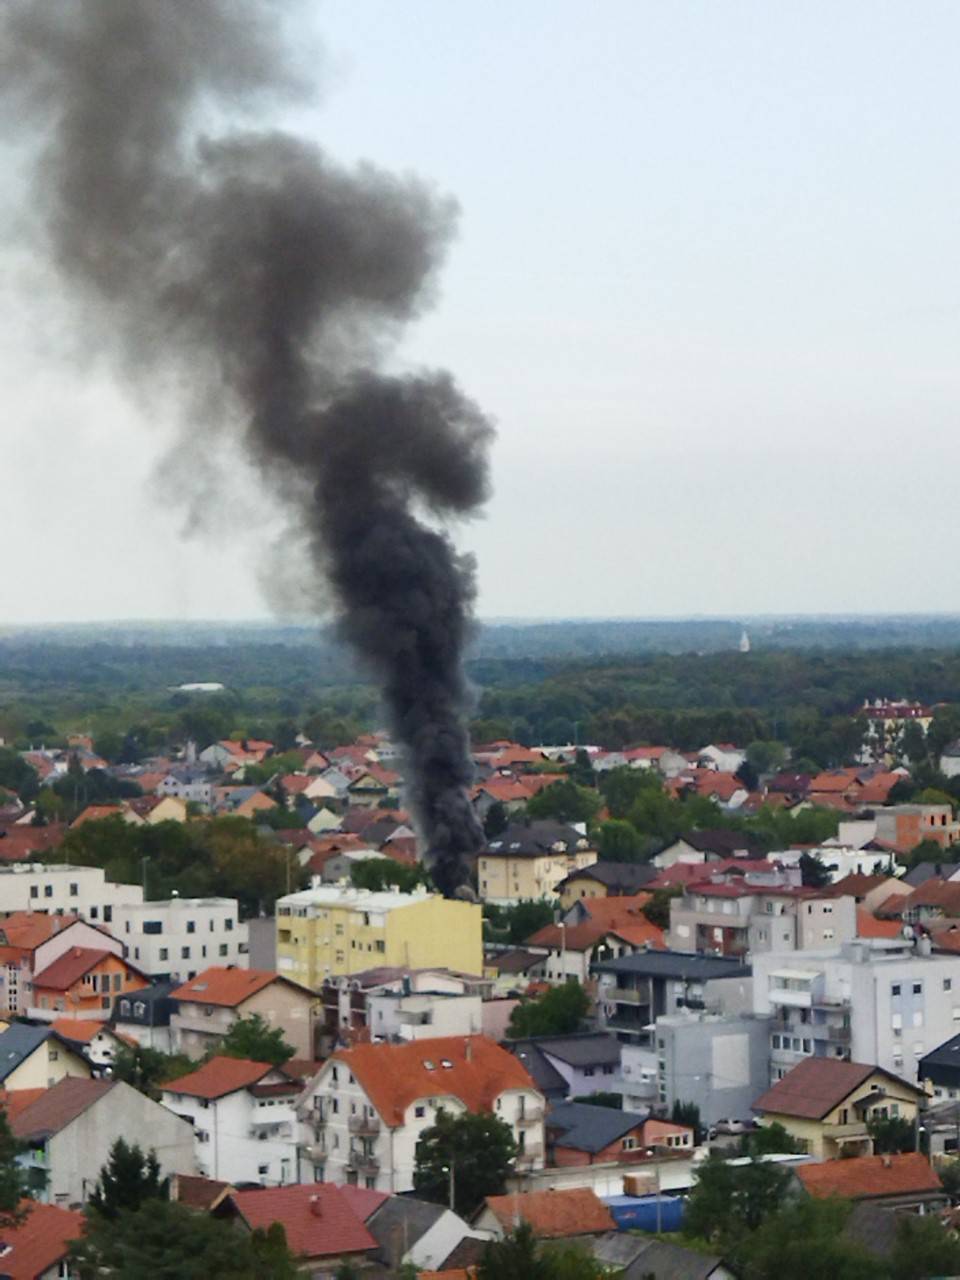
(316, 1152)
(627, 995)
(363, 1162)
(530, 1115)
(365, 1125)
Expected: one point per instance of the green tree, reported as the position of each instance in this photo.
(558, 1012)
(478, 1148)
(804, 1239)
(520, 1256)
(924, 1248)
(620, 841)
(377, 874)
(813, 872)
(767, 756)
(770, 1139)
(16, 775)
(729, 1201)
(614, 1101)
(147, 1069)
(657, 909)
(925, 851)
(913, 743)
(892, 1134)
(517, 923)
(167, 1241)
(252, 1037)
(496, 821)
(688, 1113)
(127, 1179)
(564, 801)
(15, 1182)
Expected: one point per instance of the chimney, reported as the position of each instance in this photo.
(468, 1049)
(887, 1162)
(316, 1208)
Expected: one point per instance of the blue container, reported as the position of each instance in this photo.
(639, 1213)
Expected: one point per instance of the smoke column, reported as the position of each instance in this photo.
(264, 283)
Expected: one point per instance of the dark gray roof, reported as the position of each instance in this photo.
(662, 1261)
(545, 1075)
(399, 1223)
(515, 961)
(19, 1041)
(616, 875)
(719, 840)
(589, 1128)
(618, 1248)
(945, 1055)
(924, 871)
(675, 964)
(588, 1049)
(523, 839)
(873, 1227)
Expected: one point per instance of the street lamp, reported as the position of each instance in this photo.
(450, 1170)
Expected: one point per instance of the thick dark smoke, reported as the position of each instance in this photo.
(268, 282)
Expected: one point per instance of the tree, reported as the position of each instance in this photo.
(688, 1113)
(924, 1248)
(517, 923)
(127, 1179)
(520, 1256)
(496, 820)
(16, 775)
(478, 1148)
(729, 1201)
(770, 1139)
(925, 851)
(558, 1012)
(378, 874)
(747, 774)
(252, 1037)
(167, 1241)
(147, 1069)
(802, 1240)
(564, 801)
(767, 756)
(623, 787)
(657, 909)
(813, 872)
(601, 1099)
(620, 841)
(892, 1134)
(15, 1182)
(913, 743)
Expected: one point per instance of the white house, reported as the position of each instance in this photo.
(366, 1108)
(59, 888)
(243, 1117)
(178, 937)
(724, 757)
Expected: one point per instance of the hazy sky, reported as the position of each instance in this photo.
(707, 282)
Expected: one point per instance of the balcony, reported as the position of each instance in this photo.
(846, 1132)
(316, 1153)
(530, 1115)
(363, 1162)
(626, 995)
(531, 1155)
(364, 1126)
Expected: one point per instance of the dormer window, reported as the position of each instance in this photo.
(430, 1066)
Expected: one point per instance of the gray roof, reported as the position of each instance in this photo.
(618, 1248)
(589, 1128)
(588, 1049)
(516, 961)
(873, 1227)
(545, 1075)
(615, 875)
(19, 1041)
(399, 1223)
(662, 1261)
(523, 839)
(675, 964)
(924, 871)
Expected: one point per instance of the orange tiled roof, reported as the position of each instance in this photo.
(35, 1247)
(71, 967)
(616, 910)
(225, 986)
(80, 1030)
(16, 1100)
(321, 1220)
(218, 1077)
(865, 1177)
(28, 929)
(554, 1214)
(869, 926)
(473, 1069)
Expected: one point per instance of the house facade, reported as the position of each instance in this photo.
(529, 862)
(178, 937)
(206, 1007)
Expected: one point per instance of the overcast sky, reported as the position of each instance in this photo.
(707, 283)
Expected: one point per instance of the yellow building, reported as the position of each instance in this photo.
(37, 1057)
(529, 861)
(331, 930)
(827, 1104)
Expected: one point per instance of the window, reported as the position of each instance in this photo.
(164, 953)
(117, 981)
(775, 1042)
(420, 1112)
(184, 953)
(108, 914)
(918, 988)
(808, 1046)
(74, 890)
(895, 989)
(228, 926)
(104, 1002)
(827, 935)
(153, 926)
(48, 890)
(191, 926)
(94, 913)
(629, 1144)
(124, 1007)
(263, 1170)
(948, 984)
(34, 891)
(139, 1008)
(211, 924)
(223, 949)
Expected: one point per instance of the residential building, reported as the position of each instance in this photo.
(37, 1057)
(423, 1014)
(144, 1017)
(634, 991)
(572, 1066)
(529, 861)
(63, 889)
(573, 1214)
(329, 930)
(869, 891)
(24, 950)
(939, 1070)
(827, 1105)
(903, 826)
(189, 784)
(206, 1007)
(581, 1134)
(243, 1117)
(177, 937)
(950, 759)
(325, 1225)
(878, 1000)
(637, 1257)
(737, 919)
(514, 968)
(367, 1106)
(708, 846)
(723, 756)
(904, 1181)
(415, 1233)
(713, 1061)
(96, 1041)
(570, 950)
(84, 982)
(70, 1128)
(38, 1247)
(605, 880)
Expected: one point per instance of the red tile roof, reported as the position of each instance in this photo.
(16, 1100)
(80, 1030)
(554, 1214)
(40, 1241)
(869, 926)
(473, 1069)
(225, 986)
(197, 1192)
(866, 1177)
(58, 1106)
(71, 967)
(18, 844)
(815, 1086)
(320, 1221)
(218, 1077)
(28, 929)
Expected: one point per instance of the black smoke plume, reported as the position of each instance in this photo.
(251, 274)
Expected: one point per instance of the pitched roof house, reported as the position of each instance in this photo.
(324, 1224)
(368, 1105)
(898, 1181)
(207, 1006)
(86, 980)
(581, 1134)
(553, 1215)
(37, 1248)
(37, 1057)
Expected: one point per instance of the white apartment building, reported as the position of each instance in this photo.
(419, 1015)
(61, 889)
(878, 1000)
(367, 1107)
(178, 937)
(243, 1118)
